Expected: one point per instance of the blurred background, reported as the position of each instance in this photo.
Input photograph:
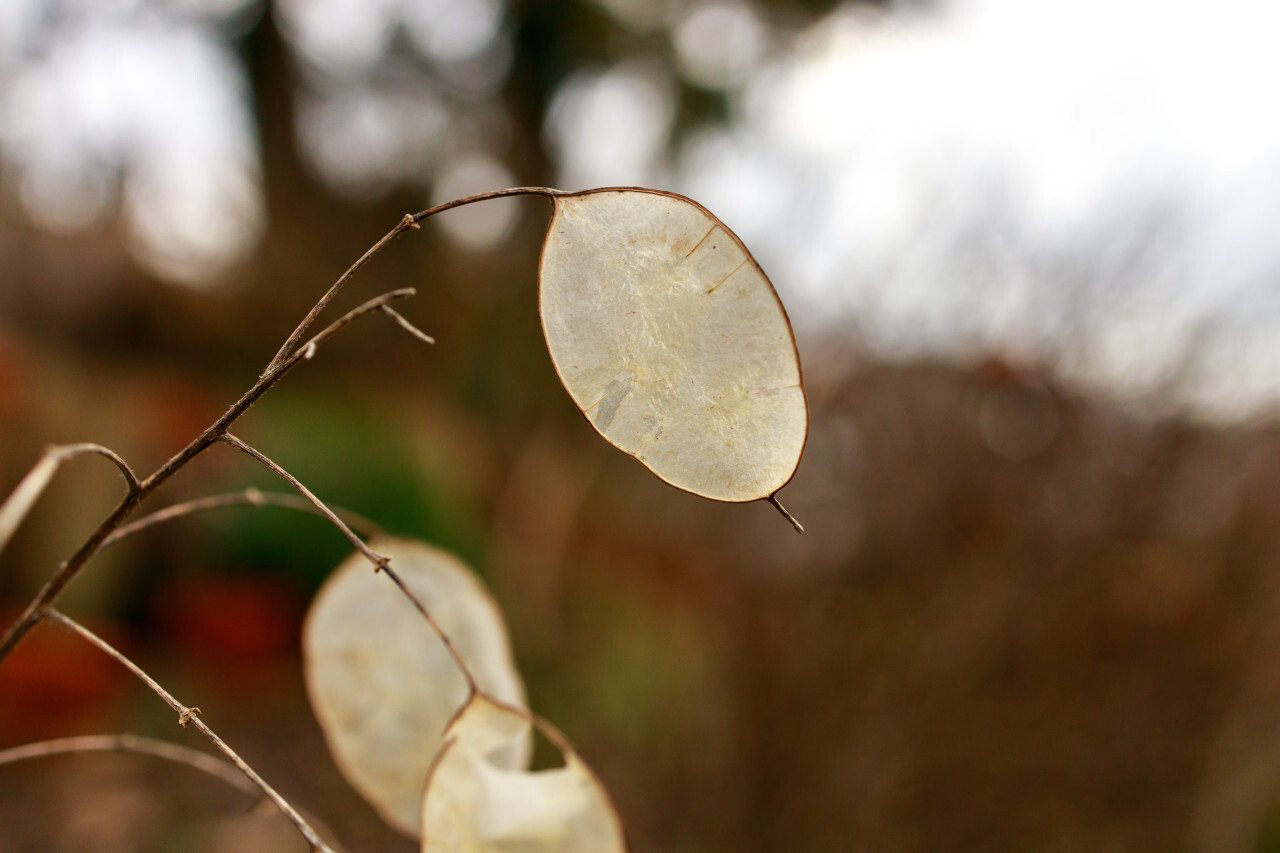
(1029, 250)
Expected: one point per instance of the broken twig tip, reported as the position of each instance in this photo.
(788, 516)
(407, 326)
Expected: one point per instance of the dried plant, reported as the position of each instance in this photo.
(672, 342)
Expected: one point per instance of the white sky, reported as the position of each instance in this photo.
(1091, 185)
(133, 109)
(1078, 183)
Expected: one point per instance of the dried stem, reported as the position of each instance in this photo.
(471, 199)
(68, 451)
(773, 499)
(68, 570)
(249, 497)
(374, 557)
(410, 221)
(289, 354)
(376, 304)
(380, 563)
(472, 685)
(288, 347)
(406, 325)
(191, 716)
(194, 758)
(14, 508)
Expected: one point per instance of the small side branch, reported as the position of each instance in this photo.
(249, 497)
(287, 349)
(221, 770)
(191, 716)
(410, 221)
(380, 563)
(406, 325)
(14, 508)
(377, 303)
(374, 557)
(472, 685)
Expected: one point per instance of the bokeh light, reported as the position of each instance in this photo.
(105, 115)
(609, 126)
(476, 226)
(719, 42)
(948, 167)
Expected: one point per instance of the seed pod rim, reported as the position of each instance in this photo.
(554, 736)
(556, 196)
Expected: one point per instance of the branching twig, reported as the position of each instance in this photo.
(249, 497)
(191, 716)
(49, 593)
(194, 758)
(380, 563)
(289, 354)
(409, 221)
(112, 527)
(287, 349)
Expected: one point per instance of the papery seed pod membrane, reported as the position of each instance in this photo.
(382, 683)
(672, 341)
(472, 804)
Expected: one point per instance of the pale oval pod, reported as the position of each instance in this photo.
(381, 682)
(672, 341)
(472, 804)
(25, 494)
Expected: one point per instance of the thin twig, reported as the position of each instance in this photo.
(285, 359)
(249, 497)
(472, 199)
(375, 304)
(323, 508)
(287, 348)
(194, 758)
(472, 684)
(191, 716)
(380, 563)
(409, 221)
(288, 355)
(67, 451)
(406, 325)
(49, 593)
